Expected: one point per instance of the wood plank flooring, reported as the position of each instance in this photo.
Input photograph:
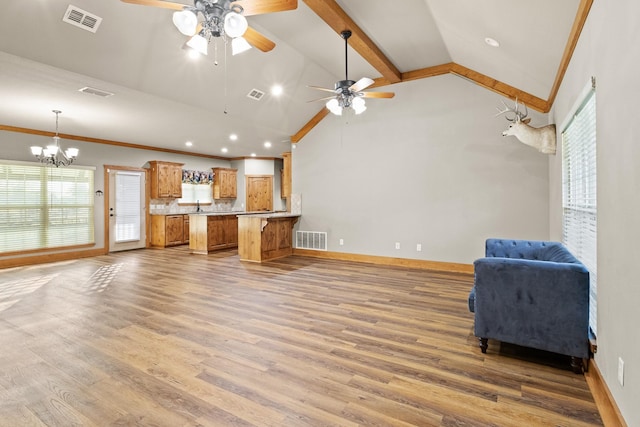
(165, 338)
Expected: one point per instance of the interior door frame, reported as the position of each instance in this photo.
(147, 192)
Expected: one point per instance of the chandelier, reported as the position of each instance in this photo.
(53, 154)
(221, 19)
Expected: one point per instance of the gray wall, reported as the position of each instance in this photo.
(15, 146)
(429, 166)
(608, 49)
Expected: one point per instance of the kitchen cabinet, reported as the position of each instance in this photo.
(212, 232)
(169, 230)
(263, 237)
(285, 175)
(185, 229)
(225, 183)
(166, 179)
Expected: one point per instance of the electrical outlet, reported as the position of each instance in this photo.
(419, 247)
(341, 242)
(621, 371)
(397, 245)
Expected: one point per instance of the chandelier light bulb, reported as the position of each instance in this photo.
(198, 43)
(186, 22)
(239, 45)
(235, 24)
(334, 106)
(358, 105)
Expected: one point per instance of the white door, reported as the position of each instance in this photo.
(127, 210)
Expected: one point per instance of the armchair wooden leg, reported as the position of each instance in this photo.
(484, 343)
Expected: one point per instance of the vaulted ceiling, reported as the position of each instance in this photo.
(161, 98)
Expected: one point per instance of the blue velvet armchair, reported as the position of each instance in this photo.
(533, 294)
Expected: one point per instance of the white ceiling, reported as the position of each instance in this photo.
(162, 98)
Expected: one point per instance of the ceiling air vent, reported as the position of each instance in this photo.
(94, 91)
(255, 94)
(80, 18)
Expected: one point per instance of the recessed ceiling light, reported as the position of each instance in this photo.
(267, 144)
(276, 90)
(233, 137)
(253, 154)
(224, 149)
(492, 42)
(188, 143)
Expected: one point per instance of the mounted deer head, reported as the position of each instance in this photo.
(543, 139)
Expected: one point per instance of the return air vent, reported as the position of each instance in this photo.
(316, 240)
(81, 18)
(255, 94)
(94, 91)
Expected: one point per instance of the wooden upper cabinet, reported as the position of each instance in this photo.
(225, 183)
(285, 184)
(166, 180)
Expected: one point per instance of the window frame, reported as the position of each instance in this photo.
(59, 214)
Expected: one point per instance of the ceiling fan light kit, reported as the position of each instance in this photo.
(348, 93)
(221, 18)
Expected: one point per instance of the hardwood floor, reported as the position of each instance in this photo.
(164, 338)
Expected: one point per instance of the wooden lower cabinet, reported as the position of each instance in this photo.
(265, 237)
(212, 232)
(169, 230)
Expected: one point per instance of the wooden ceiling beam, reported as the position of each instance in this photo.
(331, 13)
(501, 88)
(328, 10)
(310, 125)
(581, 17)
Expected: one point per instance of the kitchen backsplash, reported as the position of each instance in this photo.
(170, 207)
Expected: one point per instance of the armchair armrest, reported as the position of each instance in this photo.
(533, 303)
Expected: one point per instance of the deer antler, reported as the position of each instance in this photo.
(517, 115)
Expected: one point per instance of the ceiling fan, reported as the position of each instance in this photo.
(348, 93)
(221, 18)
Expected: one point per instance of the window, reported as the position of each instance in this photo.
(579, 230)
(43, 207)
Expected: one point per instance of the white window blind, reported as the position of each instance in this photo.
(579, 202)
(128, 209)
(44, 207)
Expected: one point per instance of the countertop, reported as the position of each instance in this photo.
(272, 215)
(254, 213)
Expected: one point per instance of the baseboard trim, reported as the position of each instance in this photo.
(449, 267)
(55, 257)
(609, 412)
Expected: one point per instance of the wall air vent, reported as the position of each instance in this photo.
(316, 240)
(80, 18)
(94, 91)
(255, 94)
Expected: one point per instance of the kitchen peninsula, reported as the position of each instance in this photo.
(265, 236)
(212, 231)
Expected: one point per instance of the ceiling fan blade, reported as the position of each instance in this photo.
(322, 88)
(326, 98)
(259, 7)
(378, 94)
(157, 3)
(258, 41)
(363, 83)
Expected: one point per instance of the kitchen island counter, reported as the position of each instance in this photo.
(265, 236)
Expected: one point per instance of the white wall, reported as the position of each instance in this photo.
(608, 49)
(429, 166)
